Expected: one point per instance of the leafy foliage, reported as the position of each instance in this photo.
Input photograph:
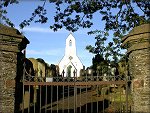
(121, 21)
(3, 12)
(105, 53)
(40, 12)
(119, 16)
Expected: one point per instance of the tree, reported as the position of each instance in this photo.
(125, 18)
(119, 16)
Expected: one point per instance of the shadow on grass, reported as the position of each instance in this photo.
(94, 107)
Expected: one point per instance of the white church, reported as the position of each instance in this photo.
(70, 63)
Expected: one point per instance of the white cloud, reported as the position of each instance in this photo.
(33, 52)
(48, 30)
(41, 30)
(51, 52)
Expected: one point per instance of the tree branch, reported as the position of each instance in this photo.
(139, 6)
(44, 3)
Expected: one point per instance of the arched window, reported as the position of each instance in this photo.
(70, 43)
(69, 71)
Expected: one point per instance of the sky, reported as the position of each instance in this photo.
(45, 43)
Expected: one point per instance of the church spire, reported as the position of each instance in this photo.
(70, 61)
(70, 49)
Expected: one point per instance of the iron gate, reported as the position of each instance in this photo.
(87, 94)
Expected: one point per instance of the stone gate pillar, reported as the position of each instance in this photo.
(137, 43)
(11, 43)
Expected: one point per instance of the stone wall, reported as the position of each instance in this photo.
(11, 43)
(137, 43)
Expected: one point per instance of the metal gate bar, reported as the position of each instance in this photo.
(91, 102)
(88, 83)
(63, 96)
(57, 98)
(68, 98)
(86, 95)
(29, 100)
(63, 87)
(40, 98)
(103, 102)
(51, 97)
(46, 100)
